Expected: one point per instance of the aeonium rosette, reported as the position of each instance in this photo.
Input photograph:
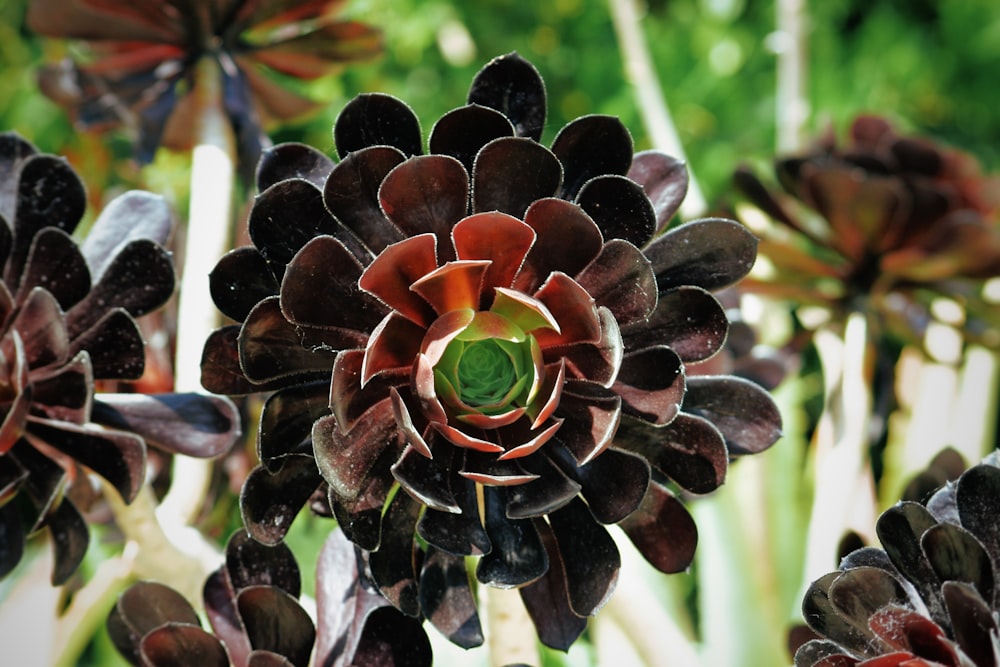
(508, 327)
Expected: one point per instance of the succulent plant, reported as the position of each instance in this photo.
(66, 320)
(928, 596)
(142, 58)
(507, 326)
(252, 605)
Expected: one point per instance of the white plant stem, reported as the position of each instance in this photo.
(653, 108)
(791, 101)
(510, 634)
(843, 486)
(208, 237)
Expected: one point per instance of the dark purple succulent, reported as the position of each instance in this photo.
(142, 59)
(880, 224)
(252, 605)
(927, 598)
(508, 327)
(67, 319)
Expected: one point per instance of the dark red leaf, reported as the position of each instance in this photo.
(510, 173)
(662, 530)
(270, 500)
(292, 160)
(664, 180)
(744, 413)
(591, 146)
(447, 600)
(711, 253)
(461, 132)
(590, 557)
(275, 622)
(688, 319)
(620, 208)
(375, 119)
(511, 85)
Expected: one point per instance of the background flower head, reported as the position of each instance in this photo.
(141, 63)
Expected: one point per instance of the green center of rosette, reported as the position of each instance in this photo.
(488, 367)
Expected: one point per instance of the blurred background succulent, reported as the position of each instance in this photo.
(138, 67)
(881, 224)
(406, 274)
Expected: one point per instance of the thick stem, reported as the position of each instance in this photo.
(791, 104)
(843, 486)
(653, 107)
(511, 634)
(208, 237)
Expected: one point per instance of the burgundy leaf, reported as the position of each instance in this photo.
(549, 492)
(286, 216)
(689, 450)
(270, 349)
(688, 319)
(447, 600)
(511, 173)
(42, 329)
(55, 264)
(614, 484)
(221, 372)
(270, 500)
(620, 208)
(286, 420)
(461, 132)
(250, 563)
(711, 253)
(139, 279)
(351, 195)
(662, 530)
(591, 146)
(344, 601)
(275, 622)
(49, 194)
(66, 392)
(591, 415)
(181, 645)
(135, 214)
(220, 608)
(393, 565)
(70, 538)
(240, 279)
(392, 639)
(745, 414)
(374, 119)
(341, 304)
(590, 580)
(12, 537)
(188, 423)
(977, 497)
(620, 279)
(117, 456)
(518, 556)
(427, 481)
(555, 220)
(143, 607)
(858, 593)
(973, 622)
(115, 346)
(347, 460)
(428, 193)
(511, 85)
(292, 160)
(547, 600)
(651, 384)
(664, 180)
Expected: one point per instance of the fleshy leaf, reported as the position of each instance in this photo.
(665, 181)
(511, 85)
(375, 119)
(590, 580)
(591, 146)
(270, 501)
(620, 208)
(662, 530)
(462, 132)
(446, 599)
(511, 173)
(711, 253)
(744, 413)
(547, 600)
